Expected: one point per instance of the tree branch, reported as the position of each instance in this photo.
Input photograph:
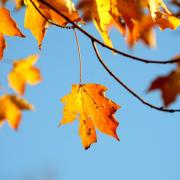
(126, 87)
(74, 25)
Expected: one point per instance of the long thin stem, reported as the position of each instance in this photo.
(126, 87)
(135, 58)
(80, 57)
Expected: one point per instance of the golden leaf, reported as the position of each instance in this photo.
(7, 27)
(34, 21)
(24, 72)
(10, 109)
(88, 103)
(37, 24)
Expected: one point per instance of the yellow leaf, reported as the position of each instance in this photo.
(34, 21)
(10, 109)
(24, 72)
(37, 24)
(7, 24)
(88, 103)
(7, 27)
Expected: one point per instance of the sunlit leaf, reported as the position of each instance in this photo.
(7, 27)
(88, 104)
(37, 24)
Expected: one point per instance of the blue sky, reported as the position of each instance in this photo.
(149, 147)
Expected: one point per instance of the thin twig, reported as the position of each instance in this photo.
(80, 57)
(127, 88)
(135, 58)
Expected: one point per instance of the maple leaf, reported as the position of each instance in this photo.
(24, 72)
(7, 27)
(168, 85)
(10, 109)
(37, 24)
(88, 103)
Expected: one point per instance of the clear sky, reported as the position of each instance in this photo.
(149, 147)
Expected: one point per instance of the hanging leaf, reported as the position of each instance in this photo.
(88, 104)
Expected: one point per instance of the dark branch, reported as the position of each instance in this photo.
(126, 87)
(135, 58)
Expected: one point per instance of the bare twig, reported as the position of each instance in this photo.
(135, 58)
(126, 87)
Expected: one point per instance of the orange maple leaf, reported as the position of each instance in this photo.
(7, 27)
(168, 85)
(10, 109)
(24, 72)
(88, 103)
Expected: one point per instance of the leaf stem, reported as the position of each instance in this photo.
(126, 87)
(80, 57)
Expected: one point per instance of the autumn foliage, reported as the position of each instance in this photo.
(134, 19)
